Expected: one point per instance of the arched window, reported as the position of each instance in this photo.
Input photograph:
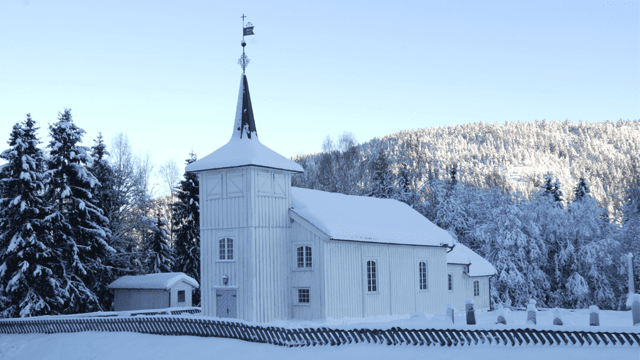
(226, 249)
(304, 256)
(372, 281)
(422, 271)
(476, 288)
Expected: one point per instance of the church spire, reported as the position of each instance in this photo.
(244, 125)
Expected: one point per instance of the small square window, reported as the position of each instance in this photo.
(181, 296)
(303, 296)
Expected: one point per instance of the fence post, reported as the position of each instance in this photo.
(531, 312)
(634, 303)
(557, 317)
(468, 307)
(594, 316)
(450, 313)
(501, 317)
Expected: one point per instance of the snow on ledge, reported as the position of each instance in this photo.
(153, 281)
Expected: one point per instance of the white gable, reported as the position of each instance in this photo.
(478, 266)
(153, 281)
(359, 218)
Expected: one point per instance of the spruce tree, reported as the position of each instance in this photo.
(29, 260)
(158, 251)
(382, 183)
(186, 221)
(79, 227)
(581, 190)
(107, 200)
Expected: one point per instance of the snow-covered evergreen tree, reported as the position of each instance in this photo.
(553, 189)
(511, 242)
(186, 222)
(29, 259)
(104, 193)
(382, 185)
(582, 190)
(79, 227)
(158, 251)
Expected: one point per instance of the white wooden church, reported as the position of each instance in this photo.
(270, 251)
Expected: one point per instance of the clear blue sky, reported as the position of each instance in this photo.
(165, 72)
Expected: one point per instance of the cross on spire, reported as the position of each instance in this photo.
(246, 31)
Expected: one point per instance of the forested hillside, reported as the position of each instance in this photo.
(553, 205)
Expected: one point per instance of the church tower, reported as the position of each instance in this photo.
(245, 195)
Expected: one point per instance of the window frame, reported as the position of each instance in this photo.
(450, 282)
(226, 239)
(184, 295)
(304, 246)
(476, 288)
(376, 277)
(426, 276)
(297, 296)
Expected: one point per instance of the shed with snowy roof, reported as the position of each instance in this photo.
(271, 251)
(153, 291)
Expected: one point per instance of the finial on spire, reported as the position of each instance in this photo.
(246, 31)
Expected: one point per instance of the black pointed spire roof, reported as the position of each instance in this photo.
(247, 124)
(244, 148)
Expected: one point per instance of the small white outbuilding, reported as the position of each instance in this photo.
(270, 251)
(153, 291)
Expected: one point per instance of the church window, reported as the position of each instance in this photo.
(422, 272)
(226, 249)
(304, 257)
(303, 296)
(476, 288)
(450, 277)
(372, 280)
(181, 297)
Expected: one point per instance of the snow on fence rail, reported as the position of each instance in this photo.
(161, 325)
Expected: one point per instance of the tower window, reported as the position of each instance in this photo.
(303, 296)
(304, 257)
(422, 272)
(226, 249)
(372, 280)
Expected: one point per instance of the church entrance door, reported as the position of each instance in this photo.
(226, 303)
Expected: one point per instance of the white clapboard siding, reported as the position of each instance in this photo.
(459, 293)
(306, 278)
(397, 292)
(249, 205)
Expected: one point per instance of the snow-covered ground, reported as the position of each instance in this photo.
(123, 346)
(99, 345)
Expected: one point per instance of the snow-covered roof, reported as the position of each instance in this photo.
(478, 266)
(368, 219)
(244, 147)
(153, 281)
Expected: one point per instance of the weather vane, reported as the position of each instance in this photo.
(246, 31)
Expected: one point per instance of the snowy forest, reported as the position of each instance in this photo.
(73, 219)
(554, 206)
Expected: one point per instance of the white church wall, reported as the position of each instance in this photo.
(397, 290)
(306, 278)
(482, 300)
(255, 218)
(460, 285)
(434, 299)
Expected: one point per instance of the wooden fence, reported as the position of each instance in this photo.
(167, 325)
